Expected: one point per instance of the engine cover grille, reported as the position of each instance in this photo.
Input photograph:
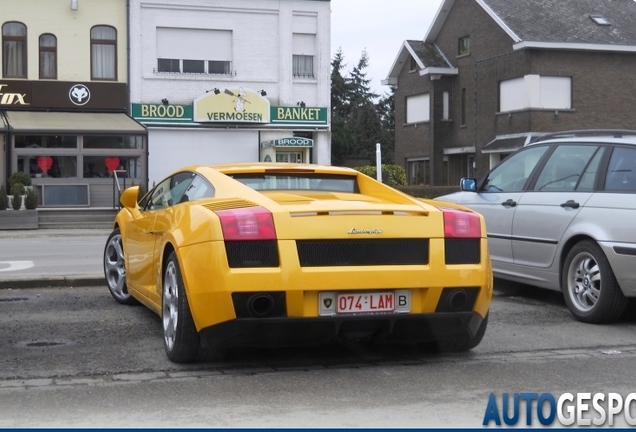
(363, 252)
(462, 251)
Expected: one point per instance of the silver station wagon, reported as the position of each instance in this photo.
(561, 214)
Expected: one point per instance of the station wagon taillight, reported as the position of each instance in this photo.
(461, 224)
(251, 223)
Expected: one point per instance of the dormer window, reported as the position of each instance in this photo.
(463, 45)
(600, 20)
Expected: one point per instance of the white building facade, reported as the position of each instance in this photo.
(222, 81)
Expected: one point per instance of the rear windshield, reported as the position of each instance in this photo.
(310, 182)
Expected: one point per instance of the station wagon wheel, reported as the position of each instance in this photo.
(180, 337)
(115, 269)
(589, 286)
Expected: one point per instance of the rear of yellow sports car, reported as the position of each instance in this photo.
(287, 267)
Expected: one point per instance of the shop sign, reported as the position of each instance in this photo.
(9, 98)
(66, 95)
(236, 105)
(297, 114)
(288, 142)
(161, 113)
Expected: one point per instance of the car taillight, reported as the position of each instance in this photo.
(252, 223)
(461, 224)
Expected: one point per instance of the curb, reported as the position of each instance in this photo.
(40, 281)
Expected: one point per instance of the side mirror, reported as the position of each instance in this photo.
(128, 197)
(468, 184)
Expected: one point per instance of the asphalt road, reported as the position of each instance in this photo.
(52, 256)
(73, 357)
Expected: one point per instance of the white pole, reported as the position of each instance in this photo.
(378, 161)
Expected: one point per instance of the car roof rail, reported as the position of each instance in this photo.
(616, 133)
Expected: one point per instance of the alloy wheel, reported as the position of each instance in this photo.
(170, 305)
(584, 281)
(115, 268)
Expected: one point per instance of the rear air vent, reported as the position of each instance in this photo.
(329, 253)
(229, 204)
(462, 251)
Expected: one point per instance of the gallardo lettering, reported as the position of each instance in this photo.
(237, 116)
(11, 98)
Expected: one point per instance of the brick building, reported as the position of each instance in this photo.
(491, 74)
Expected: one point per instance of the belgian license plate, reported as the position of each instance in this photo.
(365, 302)
(335, 303)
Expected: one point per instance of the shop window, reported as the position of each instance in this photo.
(103, 53)
(14, 50)
(303, 53)
(413, 65)
(194, 66)
(446, 105)
(418, 172)
(219, 67)
(292, 157)
(418, 108)
(48, 166)
(535, 91)
(113, 142)
(169, 65)
(45, 141)
(194, 51)
(463, 45)
(103, 166)
(463, 107)
(48, 56)
(303, 66)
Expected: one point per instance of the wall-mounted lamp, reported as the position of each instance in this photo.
(165, 101)
(216, 91)
(263, 93)
(301, 104)
(74, 5)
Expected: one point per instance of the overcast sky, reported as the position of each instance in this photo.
(380, 27)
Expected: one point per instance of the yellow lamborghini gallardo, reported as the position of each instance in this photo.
(268, 254)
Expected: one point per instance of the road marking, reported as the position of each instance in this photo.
(15, 265)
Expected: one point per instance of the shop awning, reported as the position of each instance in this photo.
(75, 123)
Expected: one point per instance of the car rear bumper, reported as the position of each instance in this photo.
(290, 331)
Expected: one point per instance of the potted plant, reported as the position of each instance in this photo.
(17, 190)
(30, 199)
(19, 219)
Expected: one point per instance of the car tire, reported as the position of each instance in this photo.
(180, 337)
(464, 343)
(589, 286)
(115, 269)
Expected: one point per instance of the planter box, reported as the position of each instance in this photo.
(18, 219)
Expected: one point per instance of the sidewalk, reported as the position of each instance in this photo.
(52, 258)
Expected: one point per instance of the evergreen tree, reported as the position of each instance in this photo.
(357, 121)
